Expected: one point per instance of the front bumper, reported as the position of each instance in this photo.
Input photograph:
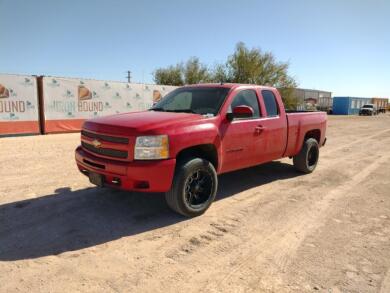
(145, 176)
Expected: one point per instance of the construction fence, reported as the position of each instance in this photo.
(45, 104)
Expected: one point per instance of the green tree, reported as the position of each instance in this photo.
(219, 73)
(290, 101)
(255, 67)
(195, 72)
(192, 72)
(172, 75)
(245, 65)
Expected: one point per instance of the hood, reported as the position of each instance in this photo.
(138, 122)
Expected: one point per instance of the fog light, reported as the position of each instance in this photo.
(116, 181)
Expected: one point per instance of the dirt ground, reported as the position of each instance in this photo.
(270, 229)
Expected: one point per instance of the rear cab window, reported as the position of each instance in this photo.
(271, 105)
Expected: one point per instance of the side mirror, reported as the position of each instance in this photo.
(240, 112)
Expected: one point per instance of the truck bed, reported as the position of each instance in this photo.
(301, 111)
(299, 123)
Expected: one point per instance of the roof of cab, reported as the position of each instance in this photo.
(228, 85)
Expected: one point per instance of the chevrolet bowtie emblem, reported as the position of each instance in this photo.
(96, 143)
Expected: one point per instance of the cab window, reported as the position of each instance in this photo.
(246, 98)
(270, 103)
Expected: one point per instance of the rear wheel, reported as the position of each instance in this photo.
(194, 187)
(307, 159)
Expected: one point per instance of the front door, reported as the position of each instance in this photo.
(242, 138)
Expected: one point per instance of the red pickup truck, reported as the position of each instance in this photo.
(194, 133)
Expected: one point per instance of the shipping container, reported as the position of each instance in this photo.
(381, 104)
(308, 99)
(349, 105)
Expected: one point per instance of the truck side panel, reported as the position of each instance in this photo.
(299, 124)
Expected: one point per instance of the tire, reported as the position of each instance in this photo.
(194, 187)
(306, 160)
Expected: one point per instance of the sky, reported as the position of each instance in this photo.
(342, 46)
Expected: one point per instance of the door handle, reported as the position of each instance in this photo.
(259, 129)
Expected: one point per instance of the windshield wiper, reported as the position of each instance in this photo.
(173, 111)
(182, 110)
(157, 109)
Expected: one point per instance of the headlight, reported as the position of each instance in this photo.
(151, 147)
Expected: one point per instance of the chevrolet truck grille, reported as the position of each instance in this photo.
(105, 151)
(121, 140)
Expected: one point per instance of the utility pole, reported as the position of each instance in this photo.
(128, 76)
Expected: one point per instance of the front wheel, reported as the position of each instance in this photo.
(194, 187)
(306, 160)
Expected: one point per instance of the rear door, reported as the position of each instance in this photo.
(273, 125)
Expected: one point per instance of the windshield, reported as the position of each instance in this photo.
(204, 101)
(368, 106)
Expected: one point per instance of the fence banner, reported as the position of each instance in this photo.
(18, 104)
(69, 102)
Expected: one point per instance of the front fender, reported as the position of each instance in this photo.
(195, 135)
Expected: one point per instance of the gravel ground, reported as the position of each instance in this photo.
(270, 229)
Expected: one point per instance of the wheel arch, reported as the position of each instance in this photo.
(204, 151)
(314, 133)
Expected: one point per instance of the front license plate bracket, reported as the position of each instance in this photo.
(96, 179)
